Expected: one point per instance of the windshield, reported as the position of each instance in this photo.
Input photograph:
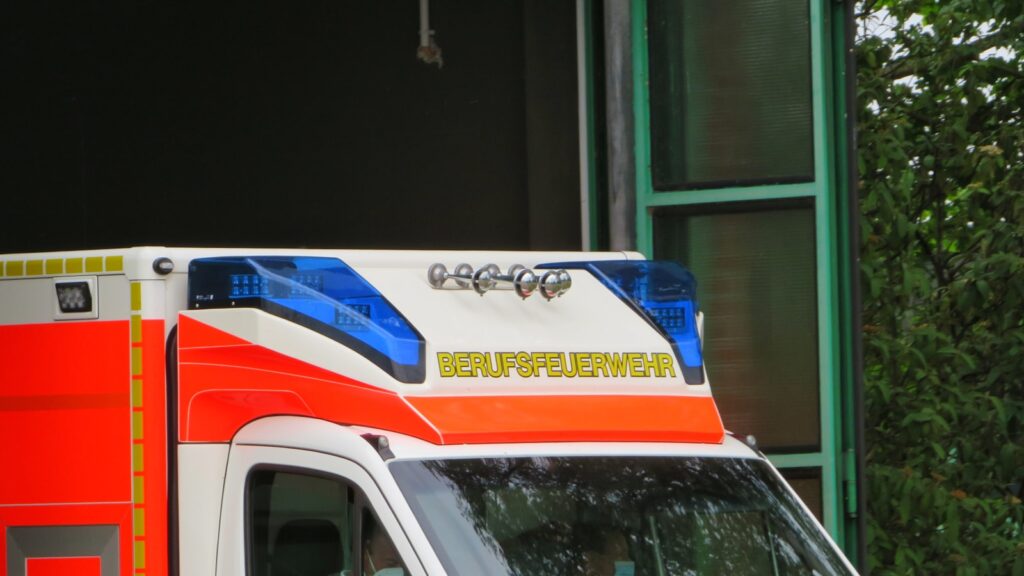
(614, 516)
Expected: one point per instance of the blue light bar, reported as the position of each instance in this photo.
(661, 291)
(322, 294)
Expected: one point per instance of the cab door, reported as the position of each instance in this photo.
(293, 512)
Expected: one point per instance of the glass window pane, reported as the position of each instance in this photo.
(647, 515)
(756, 285)
(730, 92)
(299, 524)
(807, 484)
(379, 554)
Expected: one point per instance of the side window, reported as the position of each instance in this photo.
(299, 524)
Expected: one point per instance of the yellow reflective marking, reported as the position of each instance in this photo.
(140, 554)
(15, 268)
(94, 264)
(140, 522)
(137, 458)
(55, 266)
(137, 425)
(139, 487)
(34, 267)
(136, 296)
(136, 361)
(115, 263)
(73, 265)
(1, 269)
(136, 328)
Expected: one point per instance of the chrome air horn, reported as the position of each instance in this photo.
(523, 281)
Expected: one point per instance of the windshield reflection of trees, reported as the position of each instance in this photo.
(657, 516)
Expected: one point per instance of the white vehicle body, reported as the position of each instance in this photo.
(225, 398)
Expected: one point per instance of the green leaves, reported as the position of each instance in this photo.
(941, 88)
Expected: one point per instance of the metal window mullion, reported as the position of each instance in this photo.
(642, 123)
(798, 460)
(736, 194)
(585, 116)
(828, 282)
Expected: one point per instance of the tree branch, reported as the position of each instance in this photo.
(868, 9)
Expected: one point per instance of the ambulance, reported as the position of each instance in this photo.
(255, 412)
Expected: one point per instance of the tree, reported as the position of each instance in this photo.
(941, 138)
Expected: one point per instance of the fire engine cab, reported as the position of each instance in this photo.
(229, 412)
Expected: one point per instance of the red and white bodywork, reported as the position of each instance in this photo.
(135, 435)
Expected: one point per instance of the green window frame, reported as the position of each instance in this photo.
(822, 191)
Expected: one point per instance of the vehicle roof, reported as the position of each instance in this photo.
(323, 436)
(137, 262)
(410, 448)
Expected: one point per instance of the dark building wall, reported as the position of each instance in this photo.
(292, 124)
(552, 125)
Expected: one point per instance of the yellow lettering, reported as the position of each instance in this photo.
(636, 365)
(524, 365)
(462, 365)
(477, 364)
(569, 368)
(618, 364)
(539, 363)
(446, 364)
(599, 360)
(649, 365)
(493, 370)
(553, 360)
(584, 368)
(665, 366)
(506, 360)
(556, 364)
